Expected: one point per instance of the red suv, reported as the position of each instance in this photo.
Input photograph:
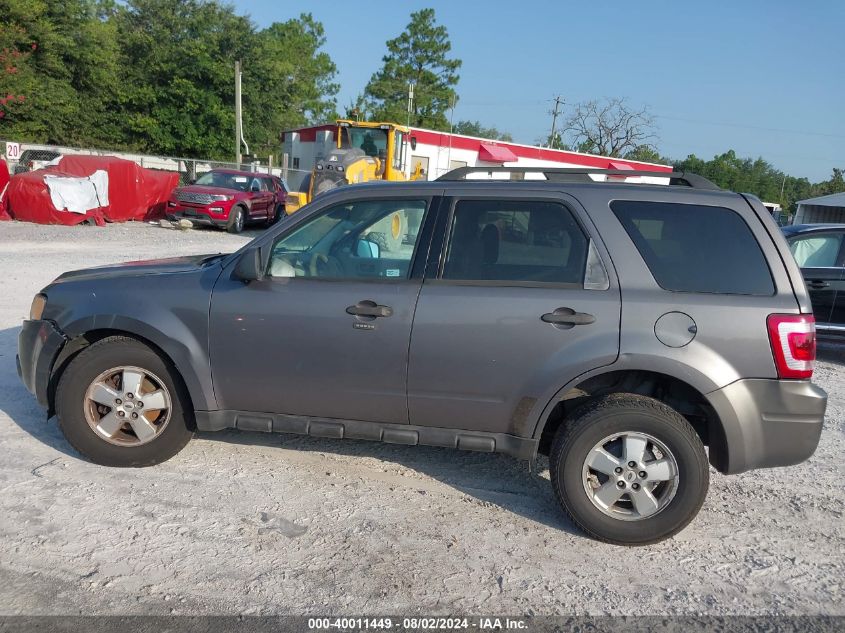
(229, 198)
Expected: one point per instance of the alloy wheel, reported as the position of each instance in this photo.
(630, 476)
(127, 406)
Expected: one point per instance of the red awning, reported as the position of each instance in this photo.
(496, 154)
(617, 165)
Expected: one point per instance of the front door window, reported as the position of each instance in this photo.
(365, 239)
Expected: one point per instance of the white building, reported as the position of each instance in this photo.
(821, 210)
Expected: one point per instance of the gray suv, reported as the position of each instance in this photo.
(619, 322)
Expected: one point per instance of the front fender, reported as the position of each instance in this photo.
(168, 310)
(177, 342)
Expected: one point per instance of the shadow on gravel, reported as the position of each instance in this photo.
(831, 350)
(486, 478)
(20, 405)
(252, 231)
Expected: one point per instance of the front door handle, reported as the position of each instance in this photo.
(367, 308)
(818, 284)
(568, 316)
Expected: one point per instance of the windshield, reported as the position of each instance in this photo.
(224, 180)
(371, 140)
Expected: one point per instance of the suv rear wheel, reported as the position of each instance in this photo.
(120, 404)
(629, 470)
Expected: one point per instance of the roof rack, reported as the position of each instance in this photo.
(582, 174)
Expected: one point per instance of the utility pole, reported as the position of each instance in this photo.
(410, 101)
(452, 101)
(555, 113)
(238, 124)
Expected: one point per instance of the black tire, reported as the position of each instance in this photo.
(103, 355)
(277, 214)
(628, 413)
(237, 219)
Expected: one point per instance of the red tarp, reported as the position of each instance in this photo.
(29, 200)
(4, 180)
(135, 193)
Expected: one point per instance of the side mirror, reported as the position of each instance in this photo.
(255, 187)
(250, 266)
(367, 249)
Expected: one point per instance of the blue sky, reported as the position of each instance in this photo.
(763, 78)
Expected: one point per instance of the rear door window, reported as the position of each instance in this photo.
(696, 248)
(515, 240)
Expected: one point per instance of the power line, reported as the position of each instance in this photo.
(749, 127)
(667, 117)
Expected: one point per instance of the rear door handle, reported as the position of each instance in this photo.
(818, 283)
(568, 316)
(369, 308)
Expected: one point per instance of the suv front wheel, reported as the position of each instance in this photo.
(237, 218)
(120, 404)
(629, 470)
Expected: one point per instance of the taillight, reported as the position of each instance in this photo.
(793, 339)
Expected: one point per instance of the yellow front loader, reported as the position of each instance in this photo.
(364, 151)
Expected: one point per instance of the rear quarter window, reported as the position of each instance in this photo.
(696, 248)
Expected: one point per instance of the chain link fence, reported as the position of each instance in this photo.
(24, 157)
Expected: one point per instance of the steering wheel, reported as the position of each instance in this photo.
(332, 265)
(312, 263)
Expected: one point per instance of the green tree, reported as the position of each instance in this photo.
(180, 58)
(288, 82)
(475, 128)
(16, 70)
(62, 57)
(757, 176)
(836, 184)
(646, 154)
(554, 142)
(420, 56)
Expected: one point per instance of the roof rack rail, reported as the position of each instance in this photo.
(582, 174)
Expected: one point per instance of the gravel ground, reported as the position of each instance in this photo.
(251, 523)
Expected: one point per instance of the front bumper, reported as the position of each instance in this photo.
(39, 344)
(767, 423)
(198, 215)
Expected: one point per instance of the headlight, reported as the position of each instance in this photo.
(220, 197)
(39, 301)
